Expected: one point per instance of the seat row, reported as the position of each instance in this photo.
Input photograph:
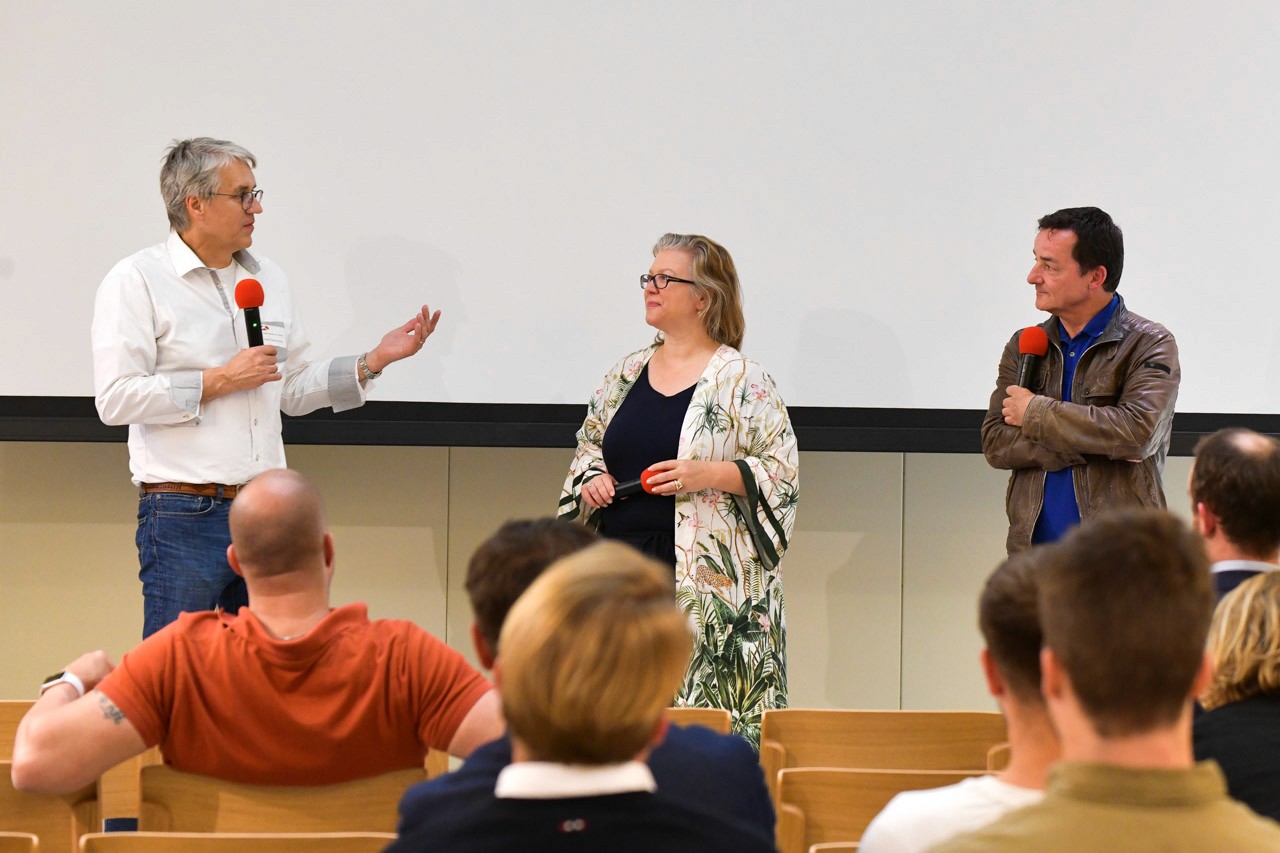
(829, 773)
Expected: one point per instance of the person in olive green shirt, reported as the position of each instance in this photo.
(1125, 602)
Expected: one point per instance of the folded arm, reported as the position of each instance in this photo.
(66, 741)
(1009, 447)
(1129, 421)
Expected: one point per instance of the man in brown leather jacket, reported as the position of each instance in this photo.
(1092, 431)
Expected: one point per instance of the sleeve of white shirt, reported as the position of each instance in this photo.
(313, 385)
(127, 389)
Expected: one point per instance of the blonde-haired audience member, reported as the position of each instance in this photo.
(590, 657)
(1241, 730)
(693, 766)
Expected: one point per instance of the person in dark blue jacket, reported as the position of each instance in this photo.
(718, 775)
(591, 655)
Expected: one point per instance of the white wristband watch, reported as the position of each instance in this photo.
(63, 678)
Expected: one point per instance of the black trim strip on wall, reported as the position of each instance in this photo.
(554, 425)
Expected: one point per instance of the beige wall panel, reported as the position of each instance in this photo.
(490, 485)
(955, 528)
(841, 579)
(955, 531)
(69, 566)
(388, 509)
(1176, 471)
(868, 616)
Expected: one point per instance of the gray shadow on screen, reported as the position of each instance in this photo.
(387, 280)
(858, 351)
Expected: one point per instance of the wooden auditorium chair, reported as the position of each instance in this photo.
(18, 842)
(235, 842)
(173, 801)
(825, 805)
(58, 821)
(878, 740)
(11, 713)
(716, 719)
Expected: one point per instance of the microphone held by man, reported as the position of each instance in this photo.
(249, 298)
(1033, 344)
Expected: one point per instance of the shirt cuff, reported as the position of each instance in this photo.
(345, 391)
(185, 389)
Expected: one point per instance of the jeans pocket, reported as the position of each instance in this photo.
(169, 505)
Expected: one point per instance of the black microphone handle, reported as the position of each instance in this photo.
(627, 489)
(253, 325)
(1027, 372)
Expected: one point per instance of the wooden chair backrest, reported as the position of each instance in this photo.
(716, 719)
(820, 805)
(834, 847)
(998, 757)
(18, 842)
(11, 713)
(885, 740)
(173, 801)
(236, 842)
(436, 763)
(57, 821)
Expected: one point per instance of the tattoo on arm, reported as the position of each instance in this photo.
(110, 711)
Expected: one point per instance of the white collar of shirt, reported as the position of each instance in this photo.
(545, 780)
(1242, 566)
(185, 260)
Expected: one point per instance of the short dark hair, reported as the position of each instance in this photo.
(1009, 618)
(1237, 476)
(1099, 241)
(1125, 602)
(506, 563)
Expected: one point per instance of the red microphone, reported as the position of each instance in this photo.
(249, 298)
(1033, 343)
(634, 487)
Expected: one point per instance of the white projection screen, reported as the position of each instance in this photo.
(876, 169)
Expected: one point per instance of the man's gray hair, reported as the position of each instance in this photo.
(191, 167)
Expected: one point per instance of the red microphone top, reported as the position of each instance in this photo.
(249, 295)
(645, 475)
(1032, 341)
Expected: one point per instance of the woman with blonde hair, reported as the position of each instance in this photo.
(707, 426)
(1241, 729)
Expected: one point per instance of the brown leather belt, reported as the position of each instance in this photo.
(206, 490)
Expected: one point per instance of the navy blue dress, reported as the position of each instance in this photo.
(644, 430)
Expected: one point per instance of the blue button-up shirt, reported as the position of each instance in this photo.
(1061, 512)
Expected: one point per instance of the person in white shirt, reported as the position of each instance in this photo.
(1009, 619)
(172, 360)
(1235, 504)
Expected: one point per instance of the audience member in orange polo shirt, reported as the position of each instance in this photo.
(290, 691)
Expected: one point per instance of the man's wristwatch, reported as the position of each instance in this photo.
(365, 373)
(63, 678)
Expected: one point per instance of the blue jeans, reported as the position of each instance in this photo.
(182, 549)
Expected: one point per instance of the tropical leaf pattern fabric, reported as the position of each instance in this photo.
(728, 547)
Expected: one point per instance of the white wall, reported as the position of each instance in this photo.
(876, 168)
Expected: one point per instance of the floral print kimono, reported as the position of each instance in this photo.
(727, 546)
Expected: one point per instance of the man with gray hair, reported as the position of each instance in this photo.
(173, 360)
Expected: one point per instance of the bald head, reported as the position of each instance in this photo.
(278, 526)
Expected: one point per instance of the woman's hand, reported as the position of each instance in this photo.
(598, 491)
(689, 475)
